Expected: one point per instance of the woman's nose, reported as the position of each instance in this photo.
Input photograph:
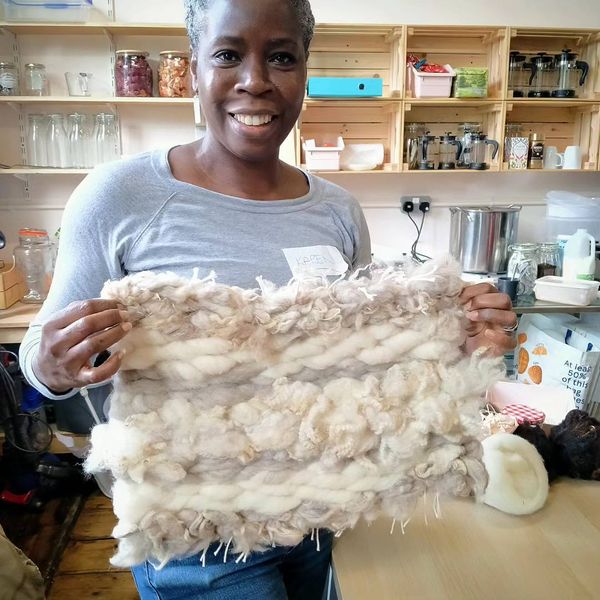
(254, 77)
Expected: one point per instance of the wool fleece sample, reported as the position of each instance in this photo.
(252, 417)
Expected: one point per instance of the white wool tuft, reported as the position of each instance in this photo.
(518, 480)
(253, 417)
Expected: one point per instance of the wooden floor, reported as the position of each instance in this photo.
(84, 571)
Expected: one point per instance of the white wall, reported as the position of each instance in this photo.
(379, 194)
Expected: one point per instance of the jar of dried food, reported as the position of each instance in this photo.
(133, 74)
(174, 75)
(9, 79)
(548, 259)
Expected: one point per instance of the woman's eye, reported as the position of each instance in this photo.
(227, 56)
(283, 58)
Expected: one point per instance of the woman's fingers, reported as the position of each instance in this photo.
(88, 375)
(502, 317)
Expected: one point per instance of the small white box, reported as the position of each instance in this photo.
(325, 157)
(578, 292)
(431, 85)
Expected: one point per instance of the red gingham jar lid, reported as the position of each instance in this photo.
(524, 414)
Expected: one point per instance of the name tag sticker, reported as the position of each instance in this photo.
(315, 260)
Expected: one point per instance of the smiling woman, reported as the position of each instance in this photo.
(227, 205)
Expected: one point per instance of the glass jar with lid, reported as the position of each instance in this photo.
(548, 259)
(133, 74)
(35, 80)
(9, 79)
(174, 75)
(522, 265)
(34, 258)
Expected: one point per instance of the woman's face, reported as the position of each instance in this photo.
(250, 72)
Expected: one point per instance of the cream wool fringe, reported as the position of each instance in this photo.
(252, 417)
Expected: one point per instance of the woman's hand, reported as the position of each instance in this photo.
(72, 337)
(490, 317)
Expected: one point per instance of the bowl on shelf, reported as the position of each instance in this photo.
(362, 157)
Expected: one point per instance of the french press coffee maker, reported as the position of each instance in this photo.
(479, 147)
(543, 76)
(571, 74)
(428, 152)
(469, 132)
(450, 151)
(519, 72)
(412, 139)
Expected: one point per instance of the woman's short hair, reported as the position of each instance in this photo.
(195, 17)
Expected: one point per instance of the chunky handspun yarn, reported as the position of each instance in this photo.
(252, 417)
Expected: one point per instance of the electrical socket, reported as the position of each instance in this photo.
(422, 202)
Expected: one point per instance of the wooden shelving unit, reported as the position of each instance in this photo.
(381, 51)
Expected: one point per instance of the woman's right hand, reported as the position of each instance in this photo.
(72, 337)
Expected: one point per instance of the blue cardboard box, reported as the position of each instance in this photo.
(344, 87)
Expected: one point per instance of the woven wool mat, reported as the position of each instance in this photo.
(253, 417)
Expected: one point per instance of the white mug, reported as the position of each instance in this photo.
(552, 158)
(572, 158)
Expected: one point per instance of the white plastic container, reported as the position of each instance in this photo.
(567, 212)
(431, 85)
(579, 260)
(324, 157)
(563, 291)
(62, 11)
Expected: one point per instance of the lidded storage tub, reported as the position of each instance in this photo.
(70, 11)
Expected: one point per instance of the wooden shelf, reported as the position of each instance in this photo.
(453, 102)
(552, 308)
(43, 171)
(14, 322)
(97, 28)
(95, 100)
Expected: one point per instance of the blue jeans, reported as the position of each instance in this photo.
(281, 573)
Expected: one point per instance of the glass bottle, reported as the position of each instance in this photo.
(548, 259)
(34, 258)
(35, 80)
(79, 141)
(36, 140)
(106, 138)
(9, 79)
(522, 265)
(57, 142)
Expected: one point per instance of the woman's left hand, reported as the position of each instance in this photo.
(491, 319)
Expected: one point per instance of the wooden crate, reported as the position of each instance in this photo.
(463, 47)
(12, 287)
(359, 51)
(358, 122)
(445, 118)
(586, 43)
(563, 123)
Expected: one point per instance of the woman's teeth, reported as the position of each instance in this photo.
(253, 120)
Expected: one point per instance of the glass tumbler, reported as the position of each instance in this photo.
(57, 142)
(523, 265)
(36, 140)
(106, 138)
(34, 258)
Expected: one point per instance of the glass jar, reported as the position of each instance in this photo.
(57, 144)
(412, 137)
(174, 75)
(522, 265)
(34, 258)
(106, 138)
(9, 79)
(133, 74)
(35, 81)
(548, 259)
(36, 140)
